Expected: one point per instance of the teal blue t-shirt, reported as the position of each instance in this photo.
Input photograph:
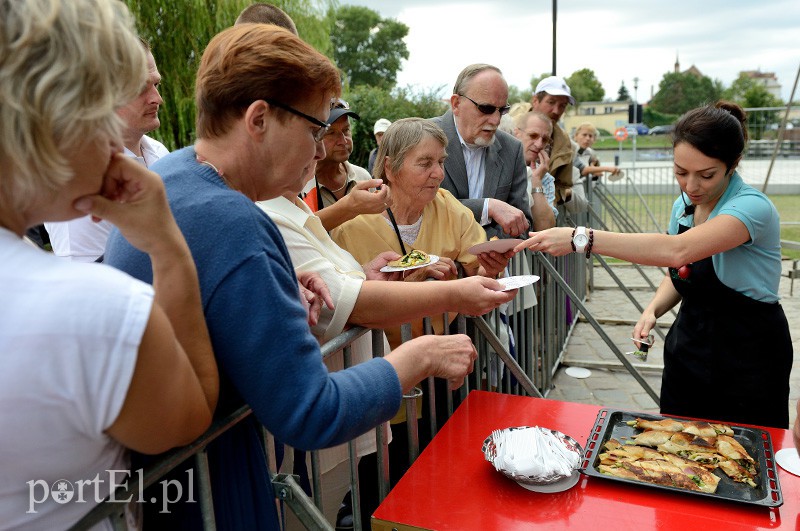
(753, 268)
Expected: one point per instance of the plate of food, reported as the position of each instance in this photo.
(495, 244)
(722, 461)
(412, 260)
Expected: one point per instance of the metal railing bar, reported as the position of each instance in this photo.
(510, 362)
(625, 289)
(599, 329)
(290, 492)
(204, 485)
(152, 473)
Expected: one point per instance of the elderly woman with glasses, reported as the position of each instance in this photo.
(263, 98)
(361, 296)
(92, 361)
(423, 216)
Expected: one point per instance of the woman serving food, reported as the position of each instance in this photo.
(728, 354)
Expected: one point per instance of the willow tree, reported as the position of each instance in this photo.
(179, 30)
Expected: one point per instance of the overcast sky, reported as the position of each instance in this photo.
(618, 39)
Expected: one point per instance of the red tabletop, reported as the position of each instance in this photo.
(452, 486)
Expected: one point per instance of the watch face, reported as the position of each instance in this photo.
(580, 240)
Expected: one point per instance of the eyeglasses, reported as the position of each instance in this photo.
(536, 136)
(488, 109)
(318, 134)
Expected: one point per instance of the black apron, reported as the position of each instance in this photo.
(727, 357)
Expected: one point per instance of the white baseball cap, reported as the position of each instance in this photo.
(555, 86)
(381, 126)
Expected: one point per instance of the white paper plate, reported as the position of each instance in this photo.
(578, 372)
(393, 269)
(516, 282)
(559, 486)
(788, 460)
(500, 246)
(616, 177)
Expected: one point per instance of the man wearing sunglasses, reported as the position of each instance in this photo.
(485, 168)
(551, 98)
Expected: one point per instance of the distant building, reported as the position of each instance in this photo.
(766, 80)
(606, 115)
(691, 70)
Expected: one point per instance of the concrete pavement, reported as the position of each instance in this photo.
(610, 384)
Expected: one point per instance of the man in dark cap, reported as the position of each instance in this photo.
(340, 190)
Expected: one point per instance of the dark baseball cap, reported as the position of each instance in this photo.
(340, 108)
(338, 113)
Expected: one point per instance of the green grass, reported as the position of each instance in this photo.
(642, 142)
(789, 209)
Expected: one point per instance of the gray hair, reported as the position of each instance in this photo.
(399, 139)
(522, 120)
(65, 68)
(466, 75)
(519, 108)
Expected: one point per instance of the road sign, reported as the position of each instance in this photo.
(621, 134)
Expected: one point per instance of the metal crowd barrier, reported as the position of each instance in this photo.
(540, 333)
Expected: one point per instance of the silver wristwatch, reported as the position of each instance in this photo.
(537, 190)
(579, 239)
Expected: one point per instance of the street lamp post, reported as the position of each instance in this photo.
(635, 116)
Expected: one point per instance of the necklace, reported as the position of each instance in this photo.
(340, 188)
(202, 160)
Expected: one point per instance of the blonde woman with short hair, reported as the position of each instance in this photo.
(93, 362)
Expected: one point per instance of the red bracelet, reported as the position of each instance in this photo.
(589, 245)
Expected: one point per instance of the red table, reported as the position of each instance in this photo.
(452, 486)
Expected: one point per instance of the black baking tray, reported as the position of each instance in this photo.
(612, 423)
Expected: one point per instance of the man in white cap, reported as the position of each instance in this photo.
(551, 98)
(380, 127)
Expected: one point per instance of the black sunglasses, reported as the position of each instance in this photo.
(318, 134)
(488, 109)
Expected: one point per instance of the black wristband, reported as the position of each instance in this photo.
(572, 240)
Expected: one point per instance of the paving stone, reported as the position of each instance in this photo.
(579, 351)
(617, 388)
(612, 396)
